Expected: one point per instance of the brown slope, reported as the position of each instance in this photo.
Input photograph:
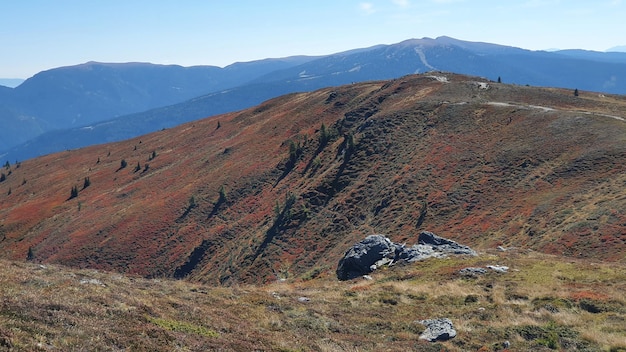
(505, 165)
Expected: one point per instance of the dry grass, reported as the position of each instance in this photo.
(544, 302)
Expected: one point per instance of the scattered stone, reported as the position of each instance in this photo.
(367, 277)
(498, 268)
(472, 271)
(304, 299)
(437, 330)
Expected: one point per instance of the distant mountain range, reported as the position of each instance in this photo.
(94, 103)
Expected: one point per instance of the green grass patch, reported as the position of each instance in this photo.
(182, 326)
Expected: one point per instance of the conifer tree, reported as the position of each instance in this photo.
(74, 192)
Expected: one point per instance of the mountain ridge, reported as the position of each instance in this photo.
(575, 69)
(291, 183)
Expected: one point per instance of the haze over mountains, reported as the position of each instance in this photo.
(94, 103)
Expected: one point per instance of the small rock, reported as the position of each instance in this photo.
(472, 271)
(498, 268)
(92, 282)
(437, 330)
(304, 299)
(367, 277)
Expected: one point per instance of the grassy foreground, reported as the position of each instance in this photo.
(542, 303)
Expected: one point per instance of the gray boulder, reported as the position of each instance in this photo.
(443, 245)
(437, 330)
(376, 251)
(362, 258)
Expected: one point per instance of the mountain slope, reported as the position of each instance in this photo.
(288, 185)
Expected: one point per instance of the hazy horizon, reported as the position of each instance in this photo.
(42, 35)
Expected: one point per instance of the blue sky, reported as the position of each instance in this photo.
(36, 35)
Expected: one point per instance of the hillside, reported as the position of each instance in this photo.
(544, 303)
(284, 188)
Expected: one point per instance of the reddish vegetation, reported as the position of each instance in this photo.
(513, 174)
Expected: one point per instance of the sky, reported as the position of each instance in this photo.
(37, 35)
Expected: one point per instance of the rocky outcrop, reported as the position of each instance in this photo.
(378, 250)
(437, 330)
(443, 245)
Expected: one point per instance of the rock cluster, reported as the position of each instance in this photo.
(378, 250)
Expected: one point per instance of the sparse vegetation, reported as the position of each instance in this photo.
(365, 315)
(123, 164)
(3, 177)
(86, 182)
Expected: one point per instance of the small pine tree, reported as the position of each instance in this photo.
(3, 177)
(576, 92)
(222, 197)
(7, 165)
(30, 256)
(74, 192)
(86, 182)
(218, 125)
(324, 135)
(123, 164)
(138, 167)
(499, 79)
(9, 193)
